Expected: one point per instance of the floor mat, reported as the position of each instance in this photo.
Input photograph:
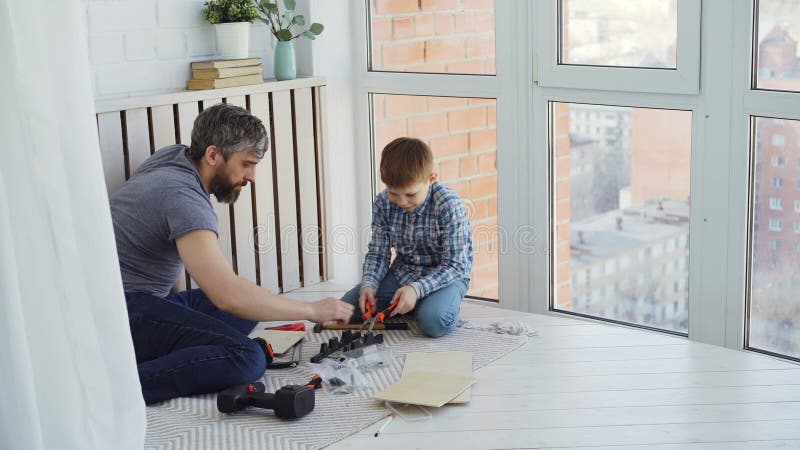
(194, 422)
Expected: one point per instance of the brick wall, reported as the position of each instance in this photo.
(145, 46)
(463, 136)
(562, 206)
(440, 36)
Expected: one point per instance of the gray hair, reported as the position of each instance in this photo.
(231, 128)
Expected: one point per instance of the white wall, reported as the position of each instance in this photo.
(140, 47)
(145, 46)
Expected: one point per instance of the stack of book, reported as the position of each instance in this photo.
(225, 73)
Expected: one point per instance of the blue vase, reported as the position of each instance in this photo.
(284, 61)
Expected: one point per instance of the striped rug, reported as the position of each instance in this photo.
(194, 422)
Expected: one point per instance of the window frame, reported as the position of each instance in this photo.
(685, 79)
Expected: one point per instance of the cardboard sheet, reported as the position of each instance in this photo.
(281, 341)
(450, 363)
(426, 389)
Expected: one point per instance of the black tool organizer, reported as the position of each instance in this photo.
(349, 342)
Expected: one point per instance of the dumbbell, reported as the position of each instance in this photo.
(289, 402)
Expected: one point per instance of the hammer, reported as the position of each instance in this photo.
(289, 402)
(356, 326)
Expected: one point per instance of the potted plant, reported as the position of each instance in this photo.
(286, 25)
(231, 20)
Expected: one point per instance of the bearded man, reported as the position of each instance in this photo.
(195, 341)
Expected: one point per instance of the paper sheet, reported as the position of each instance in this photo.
(426, 388)
(281, 341)
(450, 363)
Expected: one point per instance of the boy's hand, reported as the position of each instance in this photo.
(406, 298)
(330, 309)
(367, 295)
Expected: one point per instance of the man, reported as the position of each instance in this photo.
(196, 341)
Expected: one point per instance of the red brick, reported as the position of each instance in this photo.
(377, 56)
(404, 105)
(489, 66)
(562, 145)
(562, 232)
(423, 25)
(444, 23)
(562, 189)
(403, 27)
(564, 296)
(439, 5)
(381, 30)
(479, 47)
(444, 50)
(429, 125)
(481, 101)
(465, 22)
(484, 21)
(562, 210)
(485, 276)
(466, 119)
(562, 272)
(391, 7)
(563, 251)
(386, 131)
(484, 256)
(479, 4)
(562, 167)
(448, 170)
(404, 54)
(378, 104)
(428, 68)
(442, 103)
(461, 188)
(480, 210)
(450, 145)
(483, 186)
(491, 116)
(487, 163)
(492, 205)
(492, 293)
(466, 67)
(468, 166)
(483, 140)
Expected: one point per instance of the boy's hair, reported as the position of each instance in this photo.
(231, 128)
(406, 161)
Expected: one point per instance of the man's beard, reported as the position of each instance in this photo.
(224, 191)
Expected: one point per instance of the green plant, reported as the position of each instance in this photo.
(287, 25)
(226, 11)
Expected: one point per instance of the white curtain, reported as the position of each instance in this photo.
(67, 371)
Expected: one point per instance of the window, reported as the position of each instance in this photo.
(433, 37)
(775, 224)
(463, 137)
(797, 206)
(777, 161)
(773, 244)
(776, 46)
(797, 227)
(777, 183)
(778, 140)
(612, 214)
(775, 204)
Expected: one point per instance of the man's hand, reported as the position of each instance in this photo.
(367, 295)
(406, 298)
(331, 309)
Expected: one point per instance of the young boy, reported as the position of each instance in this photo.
(426, 224)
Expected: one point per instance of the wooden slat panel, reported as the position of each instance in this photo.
(243, 221)
(321, 136)
(163, 126)
(307, 183)
(187, 112)
(222, 210)
(265, 205)
(287, 201)
(138, 132)
(109, 127)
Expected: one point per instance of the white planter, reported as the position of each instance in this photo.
(233, 39)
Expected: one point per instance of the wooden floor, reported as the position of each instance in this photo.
(581, 384)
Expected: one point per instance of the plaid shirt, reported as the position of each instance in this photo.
(433, 243)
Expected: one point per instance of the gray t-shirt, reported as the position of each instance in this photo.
(164, 199)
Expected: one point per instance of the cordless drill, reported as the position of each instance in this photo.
(289, 402)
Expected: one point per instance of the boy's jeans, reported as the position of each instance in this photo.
(437, 314)
(184, 345)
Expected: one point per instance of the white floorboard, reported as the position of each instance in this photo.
(580, 384)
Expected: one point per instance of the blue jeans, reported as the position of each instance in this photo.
(437, 314)
(184, 345)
